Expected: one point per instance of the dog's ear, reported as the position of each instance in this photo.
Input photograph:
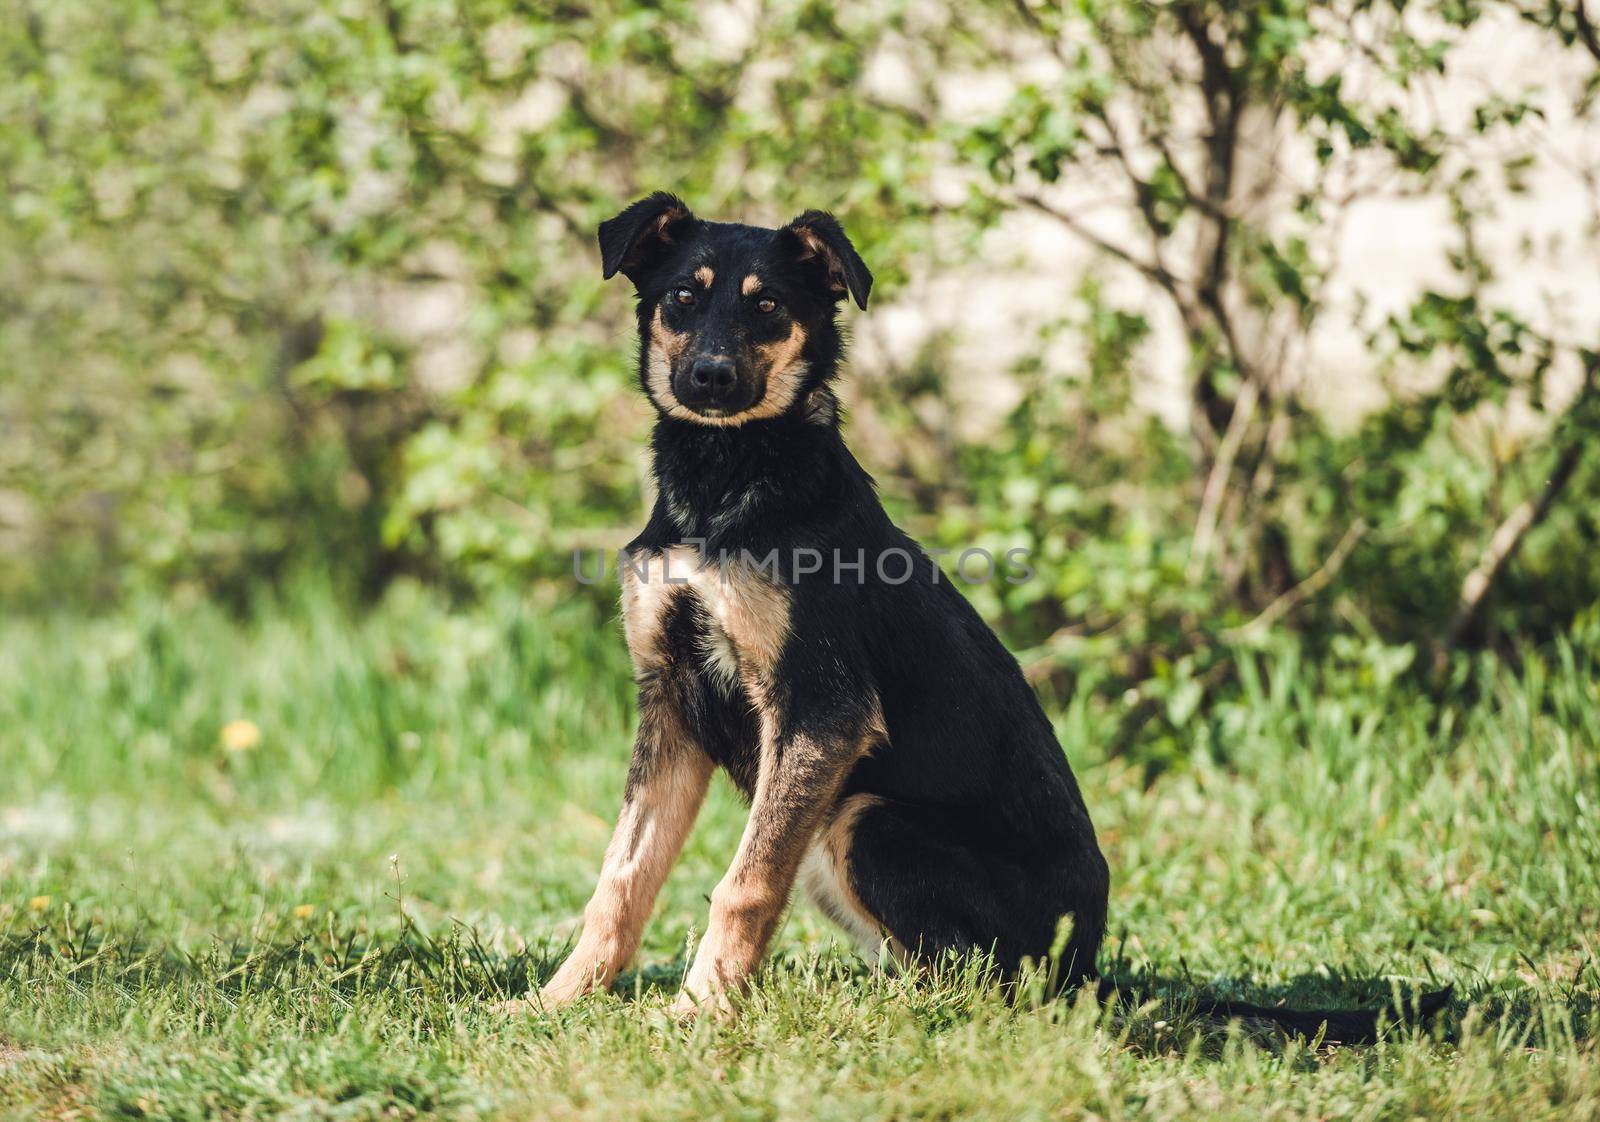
(818, 236)
(632, 239)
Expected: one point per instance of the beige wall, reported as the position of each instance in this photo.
(1544, 245)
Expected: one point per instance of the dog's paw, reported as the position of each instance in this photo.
(565, 988)
(576, 977)
(517, 1006)
(689, 1006)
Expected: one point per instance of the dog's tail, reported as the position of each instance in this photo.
(1342, 1026)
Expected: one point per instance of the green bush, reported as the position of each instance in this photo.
(306, 290)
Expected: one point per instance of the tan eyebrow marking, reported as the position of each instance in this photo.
(751, 285)
(704, 275)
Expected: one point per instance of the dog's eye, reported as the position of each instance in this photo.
(766, 305)
(683, 297)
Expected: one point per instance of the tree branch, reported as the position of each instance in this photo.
(1205, 528)
(1585, 29)
(1306, 589)
(1504, 543)
(1152, 271)
(1219, 89)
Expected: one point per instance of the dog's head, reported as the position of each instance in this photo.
(736, 323)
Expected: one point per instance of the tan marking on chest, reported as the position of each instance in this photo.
(751, 610)
(649, 586)
(746, 607)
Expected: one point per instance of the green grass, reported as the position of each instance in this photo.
(316, 926)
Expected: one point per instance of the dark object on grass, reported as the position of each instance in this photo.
(1331, 1026)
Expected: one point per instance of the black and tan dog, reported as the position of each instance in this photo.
(782, 628)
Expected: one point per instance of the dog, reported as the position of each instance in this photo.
(782, 628)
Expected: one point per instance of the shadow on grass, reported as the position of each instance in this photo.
(1151, 1010)
(1158, 1011)
(1520, 1013)
(454, 965)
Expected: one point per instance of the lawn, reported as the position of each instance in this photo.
(285, 868)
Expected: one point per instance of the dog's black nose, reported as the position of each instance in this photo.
(713, 378)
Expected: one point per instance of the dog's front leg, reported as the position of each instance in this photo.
(666, 785)
(799, 781)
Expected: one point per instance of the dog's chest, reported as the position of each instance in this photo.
(729, 621)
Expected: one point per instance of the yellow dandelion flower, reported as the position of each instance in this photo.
(39, 903)
(305, 911)
(240, 735)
